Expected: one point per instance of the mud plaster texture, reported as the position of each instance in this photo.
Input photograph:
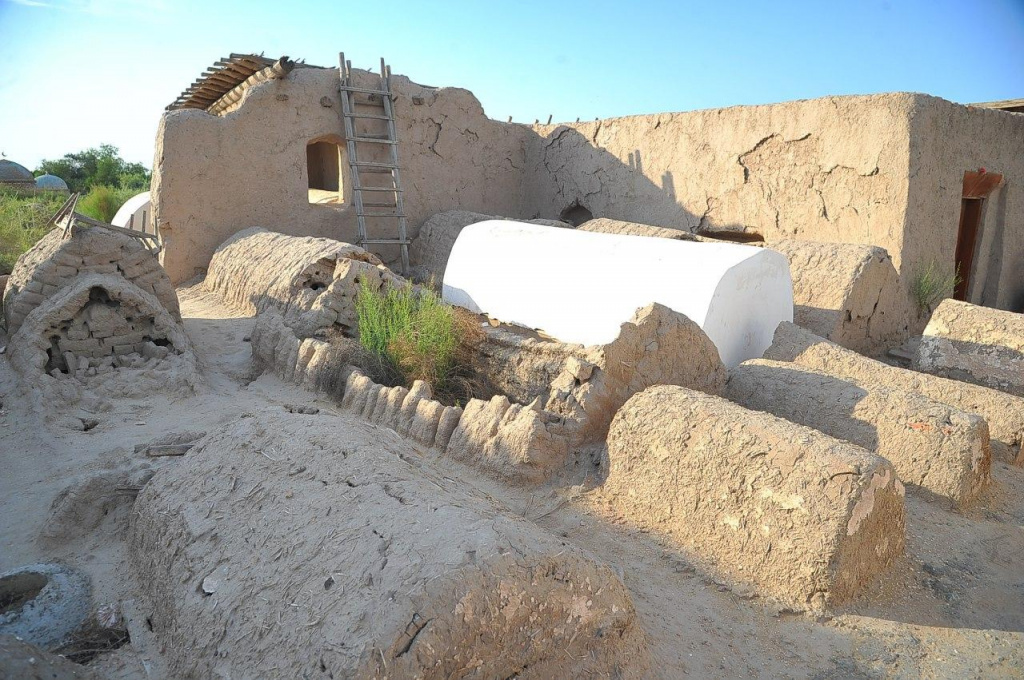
(974, 344)
(515, 442)
(102, 336)
(521, 444)
(1003, 412)
(429, 251)
(249, 167)
(947, 139)
(883, 170)
(847, 293)
(953, 607)
(553, 398)
(604, 225)
(58, 259)
(933, 446)
(20, 660)
(806, 519)
(393, 568)
(312, 281)
(658, 346)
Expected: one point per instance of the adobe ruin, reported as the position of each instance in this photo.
(590, 508)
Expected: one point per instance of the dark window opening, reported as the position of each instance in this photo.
(323, 167)
(576, 214)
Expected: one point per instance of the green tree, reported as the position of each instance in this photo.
(100, 166)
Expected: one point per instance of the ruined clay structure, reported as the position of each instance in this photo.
(707, 413)
(871, 164)
(1003, 412)
(730, 486)
(930, 444)
(59, 258)
(976, 345)
(415, 577)
(91, 309)
(98, 324)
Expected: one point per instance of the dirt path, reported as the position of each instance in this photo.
(954, 607)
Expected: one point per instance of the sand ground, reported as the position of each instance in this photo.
(952, 608)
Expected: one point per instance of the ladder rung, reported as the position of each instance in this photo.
(365, 214)
(371, 140)
(364, 90)
(368, 164)
(371, 116)
(379, 205)
(385, 240)
(380, 189)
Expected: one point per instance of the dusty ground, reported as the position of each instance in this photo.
(954, 606)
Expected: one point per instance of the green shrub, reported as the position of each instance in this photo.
(23, 222)
(931, 286)
(412, 335)
(102, 202)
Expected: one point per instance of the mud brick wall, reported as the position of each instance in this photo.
(58, 259)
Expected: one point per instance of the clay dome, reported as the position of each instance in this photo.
(13, 173)
(51, 183)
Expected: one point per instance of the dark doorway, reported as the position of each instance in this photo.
(576, 214)
(977, 186)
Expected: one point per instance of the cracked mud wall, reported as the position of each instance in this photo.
(832, 169)
(217, 175)
(948, 139)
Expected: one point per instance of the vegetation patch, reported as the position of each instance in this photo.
(931, 286)
(411, 334)
(103, 202)
(23, 221)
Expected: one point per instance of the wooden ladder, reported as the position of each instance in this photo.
(388, 194)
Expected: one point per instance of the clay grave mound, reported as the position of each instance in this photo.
(328, 556)
(975, 344)
(848, 293)
(1003, 412)
(60, 258)
(805, 519)
(97, 326)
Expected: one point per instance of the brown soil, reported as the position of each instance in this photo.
(953, 606)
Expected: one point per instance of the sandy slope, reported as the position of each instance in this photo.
(954, 607)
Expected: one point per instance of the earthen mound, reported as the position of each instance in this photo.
(806, 519)
(847, 293)
(934, 446)
(104, 333)
(975, 344)
(1004, 412)
(295, 549)
(60, 258)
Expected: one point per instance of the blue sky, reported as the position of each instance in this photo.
(77, 73)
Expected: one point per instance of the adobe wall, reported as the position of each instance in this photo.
(948, 139)
(216, 175)
(832, 169)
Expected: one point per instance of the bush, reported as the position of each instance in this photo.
(23, 222)
(931, 286)
(411, 334)
(103, 202)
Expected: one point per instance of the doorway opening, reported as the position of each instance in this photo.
(978, 184)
